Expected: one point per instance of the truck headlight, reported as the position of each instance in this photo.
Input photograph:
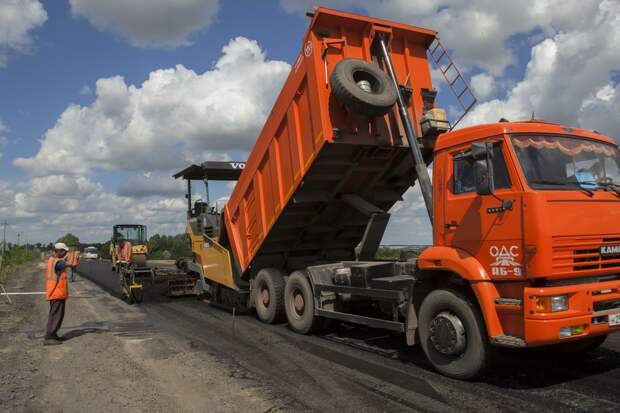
(572, 330)
(552, 303)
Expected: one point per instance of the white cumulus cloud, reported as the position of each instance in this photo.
(3, 140)
(17, 20)
(161, 124)
(483, 85)
(45, 208)
(409, 223)
(142, 131)
(568, 78)
(148, 185)
(149, 23)
(477, 31)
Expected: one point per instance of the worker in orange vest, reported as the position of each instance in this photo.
(57, 292)
(72, 258)
(117, 252)
(125, 253)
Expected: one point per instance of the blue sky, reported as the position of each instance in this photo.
(86, 86)
(70, 53)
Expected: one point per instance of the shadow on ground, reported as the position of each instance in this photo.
(513, 369)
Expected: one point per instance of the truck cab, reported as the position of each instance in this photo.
(528, 213)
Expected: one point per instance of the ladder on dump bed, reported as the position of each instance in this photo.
(459, 87)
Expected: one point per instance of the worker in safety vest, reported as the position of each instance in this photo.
(125, 254)
(72, 259)
(117, 252)
(57, 292)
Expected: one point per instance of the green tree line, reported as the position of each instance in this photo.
(161, 247)
(385, 253)
(165, 247)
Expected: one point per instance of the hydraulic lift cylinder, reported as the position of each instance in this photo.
(420, 166)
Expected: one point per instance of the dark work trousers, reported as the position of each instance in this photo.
(57, 313)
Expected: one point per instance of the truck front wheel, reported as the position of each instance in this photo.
(452, 334)
(269, 295)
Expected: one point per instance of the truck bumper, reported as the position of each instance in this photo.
(593, 309)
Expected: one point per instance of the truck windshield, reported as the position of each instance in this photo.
(567, 163)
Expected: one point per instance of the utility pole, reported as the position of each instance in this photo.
(18, 235)
(4, 224)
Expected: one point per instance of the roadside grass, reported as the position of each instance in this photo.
(14, 258)
(386, 253)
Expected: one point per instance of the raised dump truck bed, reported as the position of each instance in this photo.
(322, 175)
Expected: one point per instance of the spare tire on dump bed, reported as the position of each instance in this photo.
(363, 87)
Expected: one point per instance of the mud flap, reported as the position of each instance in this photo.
(412, 319)
(412, 324)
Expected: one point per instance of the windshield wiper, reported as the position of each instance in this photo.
(614, 187)
(567, 184)
(549, 182)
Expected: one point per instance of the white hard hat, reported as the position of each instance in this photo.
(61, 246)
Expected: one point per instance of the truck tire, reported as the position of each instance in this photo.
(453, 335)
(269, 295)
(125, 293)
(137, 295)
(128, 297)
(363, 87)
(299, 304)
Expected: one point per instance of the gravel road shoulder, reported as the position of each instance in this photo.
(184, 354)
(113, 360)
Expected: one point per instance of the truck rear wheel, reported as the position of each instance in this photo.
(269, 295)
(299, 303)
(452, 334)
(363, 87)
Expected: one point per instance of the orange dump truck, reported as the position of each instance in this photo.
(525, 215)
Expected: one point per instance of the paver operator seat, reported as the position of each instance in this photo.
(205, 219)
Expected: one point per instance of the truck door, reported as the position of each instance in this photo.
(478, 224)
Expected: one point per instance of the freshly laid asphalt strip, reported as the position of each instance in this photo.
(100, 271)
(333, 373)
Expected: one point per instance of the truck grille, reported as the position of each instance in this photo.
(607, 305)
(581, 254)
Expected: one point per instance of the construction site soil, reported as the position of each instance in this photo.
(184, 354)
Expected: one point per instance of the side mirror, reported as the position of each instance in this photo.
(481, 150)
(482, 153)
(483, 177)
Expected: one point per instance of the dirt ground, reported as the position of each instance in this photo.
(184, 354)
(112, 360)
